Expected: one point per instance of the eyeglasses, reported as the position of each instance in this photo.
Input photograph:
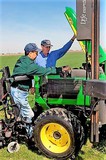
(47, 46)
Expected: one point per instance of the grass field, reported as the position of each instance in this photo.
(87, 152)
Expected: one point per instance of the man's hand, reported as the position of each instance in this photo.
(32, 90)
(73, 38)
(66, 69)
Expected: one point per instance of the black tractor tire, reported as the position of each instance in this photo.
(58, 134)
(103, 133)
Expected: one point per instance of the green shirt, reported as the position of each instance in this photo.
(26, 66)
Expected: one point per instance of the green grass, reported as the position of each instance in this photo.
(8, 61)
(72, 59)
(87, 152)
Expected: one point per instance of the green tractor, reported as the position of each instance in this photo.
(70, 107)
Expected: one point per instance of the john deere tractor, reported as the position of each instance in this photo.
(71, 106)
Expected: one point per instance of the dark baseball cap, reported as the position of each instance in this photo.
(31, 47)
(46, 43)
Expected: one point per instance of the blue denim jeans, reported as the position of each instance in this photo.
(21, 99)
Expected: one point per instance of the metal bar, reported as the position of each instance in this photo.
(95, 65)
(92, 55)
(97, 126)
(92, 128)
(95, 39)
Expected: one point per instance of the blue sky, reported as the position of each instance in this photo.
(24, 21)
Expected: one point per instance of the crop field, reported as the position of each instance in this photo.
(88, 152)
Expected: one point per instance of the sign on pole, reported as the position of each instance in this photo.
(84, 19)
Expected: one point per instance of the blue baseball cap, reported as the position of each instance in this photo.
(31, 47)
(46, 43)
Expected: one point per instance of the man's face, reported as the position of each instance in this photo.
(45, 49)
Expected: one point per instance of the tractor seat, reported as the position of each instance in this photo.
(79, 73)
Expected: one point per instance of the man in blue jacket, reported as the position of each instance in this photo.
(46, 58)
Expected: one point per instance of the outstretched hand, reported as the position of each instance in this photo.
(73, 38)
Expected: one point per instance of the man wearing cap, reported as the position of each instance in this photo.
(19, 90)
(46, 58)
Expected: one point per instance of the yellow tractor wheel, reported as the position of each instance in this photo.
(54, 134)
(55, 137)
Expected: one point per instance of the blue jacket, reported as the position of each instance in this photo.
(53, 56)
